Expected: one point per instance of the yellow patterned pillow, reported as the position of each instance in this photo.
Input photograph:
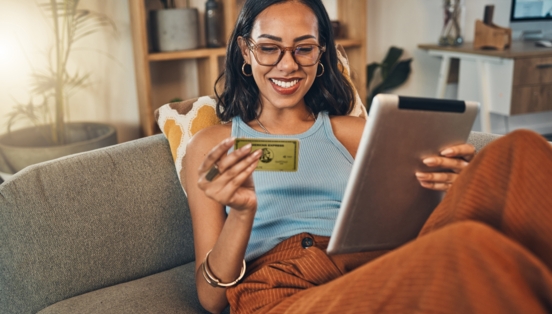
(359, 110)
(179, 121)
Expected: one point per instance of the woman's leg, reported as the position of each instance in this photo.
(508, 186)
(297, 264)
(456, 265)
(465, 267)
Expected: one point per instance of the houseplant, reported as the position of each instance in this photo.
(51, 135)
(389, 74)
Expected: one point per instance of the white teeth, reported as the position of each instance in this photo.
(284, 84)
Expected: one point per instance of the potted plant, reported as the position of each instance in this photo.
(51, 135)
(390, 73)
(174, 28)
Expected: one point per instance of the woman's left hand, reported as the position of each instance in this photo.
(454, 158)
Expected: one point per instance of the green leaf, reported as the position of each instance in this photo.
(42, 83)
(397, 76)
(370, 72)
(393, 55)
(89, 22)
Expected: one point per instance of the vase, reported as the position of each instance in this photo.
(175, 29)
(451, 35)
(214, 19)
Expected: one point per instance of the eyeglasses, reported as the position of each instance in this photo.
(270, 54)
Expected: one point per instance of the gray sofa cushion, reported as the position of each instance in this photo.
(171, 291)
(480, 139)
(90, 221)
(106, 220)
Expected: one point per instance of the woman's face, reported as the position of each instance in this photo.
(285, 24)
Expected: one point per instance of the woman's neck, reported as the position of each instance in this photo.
(284, 121)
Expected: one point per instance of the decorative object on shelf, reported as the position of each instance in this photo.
(451, 35)
(336, 28)
(392, 73)
(51, 136)
(491, 36)
(214, 19)
(174, 28)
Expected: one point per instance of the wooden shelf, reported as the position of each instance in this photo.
(349, 43)
(187, 54)
(221, 52)
(152, 88)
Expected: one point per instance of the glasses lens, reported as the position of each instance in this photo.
(269, 54)
(307, 54)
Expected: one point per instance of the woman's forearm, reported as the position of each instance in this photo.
(225, 259)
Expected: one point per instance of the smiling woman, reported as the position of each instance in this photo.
(260, 236)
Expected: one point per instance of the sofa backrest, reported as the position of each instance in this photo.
(95, 219)
(90, 220)
(480, 139)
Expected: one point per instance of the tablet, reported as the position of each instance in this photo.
(384, 206)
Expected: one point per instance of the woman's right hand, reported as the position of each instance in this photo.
(233, 186)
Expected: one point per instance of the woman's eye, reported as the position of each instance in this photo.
(304, 50)
(268, 49)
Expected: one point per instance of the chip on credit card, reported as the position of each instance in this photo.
(278, 154)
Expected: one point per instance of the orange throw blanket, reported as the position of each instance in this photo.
(487, 248)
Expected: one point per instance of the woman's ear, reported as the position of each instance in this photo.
(244, 49)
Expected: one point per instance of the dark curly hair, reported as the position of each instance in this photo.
(331, 92)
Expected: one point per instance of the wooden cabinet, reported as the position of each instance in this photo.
(507, 82)
(161, 76)
(532, 87)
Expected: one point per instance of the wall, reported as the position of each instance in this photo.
(406, 24)
(25, 36)
(112, 95)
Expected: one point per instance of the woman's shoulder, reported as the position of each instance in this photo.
(346, 120)
(348, 130)
(347, 124)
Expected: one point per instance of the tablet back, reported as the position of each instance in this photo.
(384, 205)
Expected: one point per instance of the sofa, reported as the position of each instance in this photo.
(106, 231)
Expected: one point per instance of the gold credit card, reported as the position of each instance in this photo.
(278, 155)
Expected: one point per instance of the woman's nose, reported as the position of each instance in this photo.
(288, 62)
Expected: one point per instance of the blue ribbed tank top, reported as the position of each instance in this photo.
(308, 200)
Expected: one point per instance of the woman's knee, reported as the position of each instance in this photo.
(465, 235)
(522, 140)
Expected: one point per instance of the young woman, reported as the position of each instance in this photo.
(281, 81)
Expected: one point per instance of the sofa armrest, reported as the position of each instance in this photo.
(480, 139)
(90, 220)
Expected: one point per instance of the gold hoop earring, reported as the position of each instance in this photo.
(320, 64)
(243, 70)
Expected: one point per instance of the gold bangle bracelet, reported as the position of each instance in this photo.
(212, 280)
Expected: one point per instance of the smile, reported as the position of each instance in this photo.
(285, 84)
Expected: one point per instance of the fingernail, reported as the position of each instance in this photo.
(246, 147)
(257, 153)
(229, 140)
(421, 175)
(431, 161)
(425, 184)
(447, 151)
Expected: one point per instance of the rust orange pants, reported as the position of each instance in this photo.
(487, 248)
